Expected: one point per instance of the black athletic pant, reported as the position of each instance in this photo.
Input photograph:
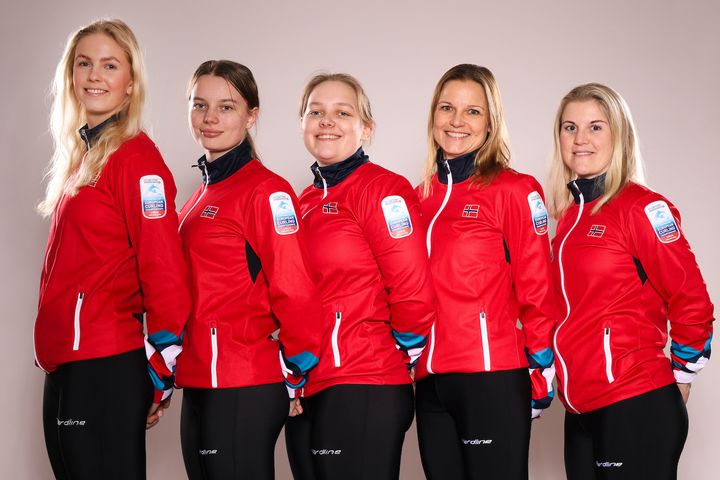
(640, 438)
(352, 432)
(94, 414)
(230, 433)
(474, 425)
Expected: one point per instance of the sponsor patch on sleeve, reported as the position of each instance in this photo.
(397, 216)
(538, 212)
(152, 196)
(662, 221)
(283, 213)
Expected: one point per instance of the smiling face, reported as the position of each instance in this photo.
(586, 141)
(460, 120)
(331, 124)
(102, 77)
(219, 116)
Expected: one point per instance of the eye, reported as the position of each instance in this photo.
(110, 66)
(474, 111)
(198, 106)
(83, 63)
(343, 113)
(570, 128)
(313, 113)
(445, 108)
(596, 128)
(226, 108)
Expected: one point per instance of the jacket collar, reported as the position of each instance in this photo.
(227, 164)
(89, 135)
(591, 188)
(337, 172)
(461, 167)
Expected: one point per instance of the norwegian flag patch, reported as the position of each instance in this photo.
(330, 208)
(596, 231)
(471, 211)
(209, 212)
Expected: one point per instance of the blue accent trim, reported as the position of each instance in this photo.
(408, 340)
(163, 339)
(157, 383)
(301, 363)
(542, 359)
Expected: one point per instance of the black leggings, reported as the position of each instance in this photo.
(638, 438)
(230, 433)
(94, 414)
(474, 425)
(351, 432)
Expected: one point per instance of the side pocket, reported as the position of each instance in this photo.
(213, 361)
(334, 339)
(485, 341)
(608, 355)
(76, 321)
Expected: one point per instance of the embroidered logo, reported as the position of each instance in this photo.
(152, 196)
(596, 231)
(70, 423)
(471, 211)
(209, 212)
(539, 213)
(331, 208)
(476, 441)
(397, 216)
(283, 213)
(662, 221)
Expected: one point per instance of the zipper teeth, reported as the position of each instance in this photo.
(428, 243)
(205, 185)
(485, 341)
(432, 349)
(213, 362)
(76, 321)
(608, 355)
(336, 330)
(442, 207)
(567, 303)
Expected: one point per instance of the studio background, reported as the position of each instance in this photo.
(661, 55)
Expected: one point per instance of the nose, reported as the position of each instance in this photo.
(94, 73)
(326, 121)
(457, 119)
(210, 116)
(580, 137)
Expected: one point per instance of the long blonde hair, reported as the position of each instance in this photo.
(494, 155)
(71, 166)
(625, 162)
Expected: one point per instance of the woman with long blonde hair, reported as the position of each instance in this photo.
(113, 263)
(623, 267)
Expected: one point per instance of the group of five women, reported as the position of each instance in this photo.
(329, 307)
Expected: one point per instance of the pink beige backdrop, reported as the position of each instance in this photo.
(662, 55)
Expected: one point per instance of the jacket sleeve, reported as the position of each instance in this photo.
(525, 227)
(146, 192)
(671, 268)
(389, 213)
(275, 231)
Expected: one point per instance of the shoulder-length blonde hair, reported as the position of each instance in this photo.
(625, 162)
(494, 155)
(71, 167)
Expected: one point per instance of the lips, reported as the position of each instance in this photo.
(95, 91)
(582, 153)
(457, 134)
(327, 136)
(210, 133)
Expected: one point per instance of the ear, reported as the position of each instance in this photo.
(367, 131)
(252, 118)
(129, 89)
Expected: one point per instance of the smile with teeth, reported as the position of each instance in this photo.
(328, 136)
(582, 153)
(457, 134)
(95, 91)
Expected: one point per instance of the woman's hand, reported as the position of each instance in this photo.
(156, 411)
(295, 407)
(684, 390)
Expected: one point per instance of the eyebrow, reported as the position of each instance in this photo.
(230, 100)
(342, 104)
(476, 107)
(103, 59)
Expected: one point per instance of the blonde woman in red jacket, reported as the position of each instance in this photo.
(113, 260)
(490, 262)
(623, 267)
(245, 246)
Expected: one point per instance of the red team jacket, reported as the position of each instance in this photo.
(113, 255)
(245, 246)
(490, 262)
(623, 273)
(369, 261)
